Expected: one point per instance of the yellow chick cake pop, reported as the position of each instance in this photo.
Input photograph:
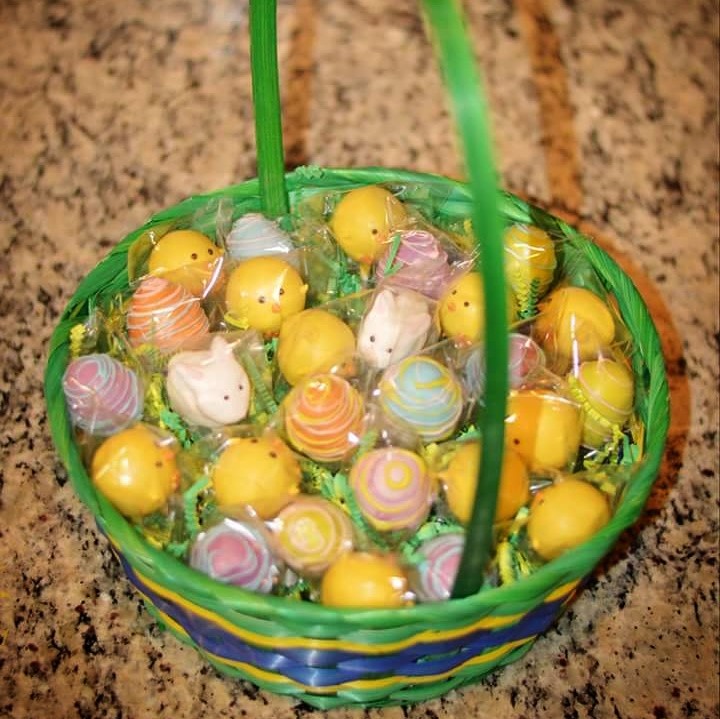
(136, 470)
(544, 428)
(574, 325)
(605, 390)
(365, 581)
(459, 481)
(311, 342)
(564, 515)
(189, 258)
(362, 220)
(263, 292)
(461, 311)
(530, 264)
(260, 472)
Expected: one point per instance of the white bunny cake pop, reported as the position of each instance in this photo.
(208, 388)
(396, 325)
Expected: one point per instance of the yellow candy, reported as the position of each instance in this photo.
(362, 220)
(135, 471)
(573, 324)
(260, 472)
(364, 581)
(311, 342)
(263, 292)
(462, 309)
(529, 263)
(543, 428)
(460, 482)
(606, 390)
(188, 258)
(565, 515)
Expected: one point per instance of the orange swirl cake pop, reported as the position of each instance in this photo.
(311, 534)
(324, 417)
(165, 315)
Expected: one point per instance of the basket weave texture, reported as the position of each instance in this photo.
(330, 657)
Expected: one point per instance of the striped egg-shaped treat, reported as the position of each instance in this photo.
(435, 574)
(324, 417)
(236, 553)
(103, 395)
(254, 235)
(311, 534)
(424, 394)
(392, 488)
(165, 315)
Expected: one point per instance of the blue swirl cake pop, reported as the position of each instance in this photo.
(423, 394)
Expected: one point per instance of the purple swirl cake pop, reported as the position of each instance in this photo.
(103, 395)
(436, 572)
(236, 553)
(420, 263)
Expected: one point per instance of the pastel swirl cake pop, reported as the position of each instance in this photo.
(311, 534)
(324, 417)
(103, 395)
(254, 235)
(424, 394)
(392, 488)
(420, 263)
(235, 553)
(439, 561)
(165, 315)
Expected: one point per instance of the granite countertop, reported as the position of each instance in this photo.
(604, 111)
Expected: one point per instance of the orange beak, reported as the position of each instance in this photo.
(275, 307)
(450, 306)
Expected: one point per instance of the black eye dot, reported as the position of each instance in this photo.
(253, 441)
(240, 386)
(466, 304)
(261, 300)
(454, 292)
(211, 251)
(226, 397)
(282, 291)
(516, 441)
(273, 455)
(374, 230)
(159, 464)
(389, 350)
(372, 338)
(193, 256)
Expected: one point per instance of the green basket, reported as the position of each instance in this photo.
(329, 657)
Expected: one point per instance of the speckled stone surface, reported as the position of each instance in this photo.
(605, 111)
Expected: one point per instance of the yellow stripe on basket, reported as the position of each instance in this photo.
(364, 684)
(560, 592)
(360, 684)
(260, 640)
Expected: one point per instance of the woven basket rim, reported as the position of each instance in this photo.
(182, 579)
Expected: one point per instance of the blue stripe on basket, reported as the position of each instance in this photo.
(318, 668)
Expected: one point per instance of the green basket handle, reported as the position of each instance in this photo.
(445, 21)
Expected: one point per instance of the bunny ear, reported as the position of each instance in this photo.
(219, 347)
(384, 302)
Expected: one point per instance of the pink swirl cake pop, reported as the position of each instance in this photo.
(420, 263)
(392, 488)
(435, 574)
(311, 534)
(324, 417)
(165, 315)
(103, 395)
(236, 553)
